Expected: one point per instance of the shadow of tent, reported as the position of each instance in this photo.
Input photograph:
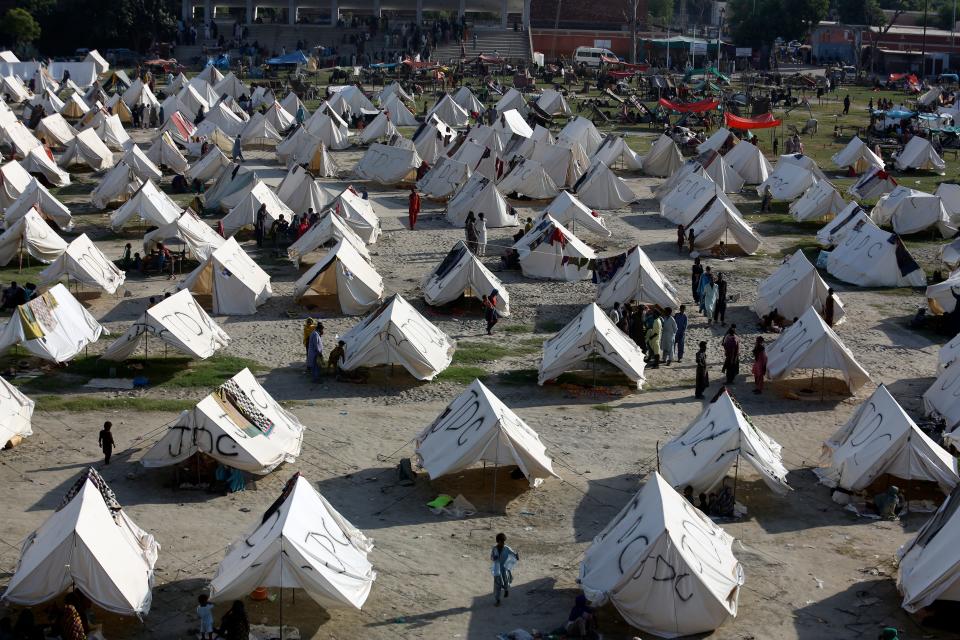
(602, 501)
(809, 506)
(897, 329)
(809, 390)
(551, 318)
(289, 607)
(126, 309)
(860, 611)
(909, 393)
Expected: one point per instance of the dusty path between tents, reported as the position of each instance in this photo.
(812, 569)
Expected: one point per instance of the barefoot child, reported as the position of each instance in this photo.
(205, 613)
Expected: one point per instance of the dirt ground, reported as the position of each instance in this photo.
(812, 570)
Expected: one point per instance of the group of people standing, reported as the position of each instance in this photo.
(660, 333)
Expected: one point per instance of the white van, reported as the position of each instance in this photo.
(591, 55)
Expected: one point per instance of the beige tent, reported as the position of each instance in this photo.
(329, 228)
(30, 236)
(858, 156)
(36, 197)
(461, 274)
(345, 274)
(117, 186)
(164, 153)
(85, 263)
(150, 205)
(87, 149)
(54, 131)
(235, 283)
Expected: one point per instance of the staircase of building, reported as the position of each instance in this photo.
(509, 44)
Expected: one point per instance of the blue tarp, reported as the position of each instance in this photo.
(896, 113)
(384, 65)
(222, 61)
(296, 57)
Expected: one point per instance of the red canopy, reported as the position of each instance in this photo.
(765, 121)
(643, 66)
(609, 59)
(622, 74)
(691, 107)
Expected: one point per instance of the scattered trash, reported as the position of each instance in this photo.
(819, 582)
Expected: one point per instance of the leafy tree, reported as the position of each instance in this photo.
(865, 12)
(19, 27)
(944, 17)
(660, 10)
(756, 22)
(136, 24)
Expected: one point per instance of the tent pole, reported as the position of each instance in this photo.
(496, 466)
(281, 586)
(658, 456)
(736, 477)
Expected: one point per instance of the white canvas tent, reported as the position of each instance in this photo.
(30, 235)
(396, 333)
(36, 197)
(497, 436)
(701, 455)
(87, 149)
(788, 181)
(16, 412)
(720, 222)
(750, 163)
(460, 273)
(591, 333)
(301, 542)
(13, 180)
(810, 344)
(479, 193)
(928, 562)
(399, 114)
(236, 284)
(432, 139)
(198, 238)
(819, 201)
(600, 188)
(565, 162)
(223, 427)
(528, 179)
(657, 534)
(114, 136)
(663, 159)
(299, 191)
(858, 156)
(637, 279)
(380, 128)
(909, 211)
(143, 167)
(450, 112)
(345, 274)
(278, 117)
(394, 89)
(83, 262)
(88, 543)
(259, 133)
(512, 99)
(332, 133)
(581, 130)
(552, 103)
(872, 184)
(64, 329)
(244, 214)
(444, 178)
(176, 321)
(919, 154)
(549, 251)
(225, 119)
(329, 228)
(465, 98)
(54, 131)
(793, 288)
(140, 93)
(567, 209)
(209, 166)
(118, 185)
(940, 296)
(39, 162)
(868, 256)
(834, 231)
(881, 439)
(164, 153)
(388, 165)
(358, 214)
(150, 205)
(617, 154)
(718, 141)
(232, 86)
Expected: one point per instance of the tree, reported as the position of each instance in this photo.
(860, 12)
(119, 23)
(944, 17)
(757, 22)
(660, 10)
(19, 27)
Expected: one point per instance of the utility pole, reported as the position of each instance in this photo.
(719, 31)
(923, 50)
(633, 31)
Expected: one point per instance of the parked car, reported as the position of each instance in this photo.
(123, 57)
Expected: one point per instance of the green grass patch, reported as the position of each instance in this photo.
(810, 249)
(77, 187)
(474, 352)
(519, 377)
(461, 374)
(604, 408)
(516, 328)
(142, 405)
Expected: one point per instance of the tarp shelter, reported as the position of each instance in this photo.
(396, 333)
(617, 154)
(663, 159)
(858, 156)
(719, 222)
(763, 121)
(198, 238)
(150, 205)
(236, 284)
(450, 112)
(388, 165)
(788, 181)
(465, 98)
(30, 235)
(301, 542)
(87, 149)
(750, 163)
(721, 138)
(600, 188)
(909, 211)
(343, 273)
(512, 99)
(39, 162)
(60, 327)
(83, 262)
(177, 322)
(245, 213)
(143, 167)
(666, 567)
(528, 179)
(164, 153)
(479, 193)
(919, 154)
(444, 178)
(330, 228)
(118, 185)
(591, 333)
(478, 427)
(793, 288)
(358, 214)
(868, 256)
(13, 180)
(552, 103)
(36, 197)
(819, 201)
(239, 425)
(881, 439)
(872, 184)
(460, 273)
(54, 131)
(90, 544)
(810, 344)
(567, 209)
(16, 412)
(833, 232)
(551, 252)
(928, 563)
(702, 454)
(633, 277)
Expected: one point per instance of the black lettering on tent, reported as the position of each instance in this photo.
(220, 449)
(183, 432)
